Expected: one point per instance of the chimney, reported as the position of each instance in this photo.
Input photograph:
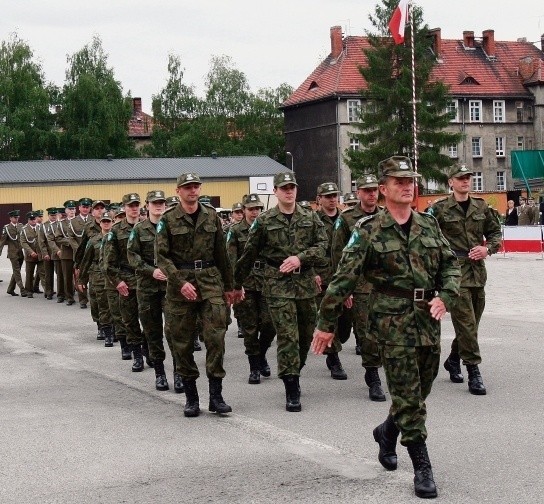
(468, 39)
(488, 37)
(136, 105)
(336, 41)
(436, 34)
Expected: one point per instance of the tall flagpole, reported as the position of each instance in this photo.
(414, 121)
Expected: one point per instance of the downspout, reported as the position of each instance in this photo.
(338, 149)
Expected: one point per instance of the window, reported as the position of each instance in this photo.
(477, 181)
(519, 111)
(498, 111)
(354, 144)
(354, 110)
(476, 146)
(453, 108)
(501, 182)
(452, 151)
(521, 143)
(529, 112)
(475, 109)
(499, 146)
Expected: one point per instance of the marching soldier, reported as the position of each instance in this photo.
(62, 238)
(415, 279)
(55, 246)
(10, 237)
(33, 258)
(47, 252)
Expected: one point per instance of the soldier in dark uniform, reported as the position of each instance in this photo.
(65, 244)
(33, 258)
(48, 254)
(290, 239)
(257, 328)
(56, 250)
(350, 199)
(467, 222)
(415, 279)
(327, 199)
(121, 274)
(10, 238)
(152, 287)
(367, 194)
(40, 270)
(191, 252)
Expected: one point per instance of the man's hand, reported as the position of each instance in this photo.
(290, 264)
(81, 287)
(318, 282)
(438, 308)
(47, 257)
(478, 252)
(230, 297)
(122, 288)
(348, 303)
(159, 275)
(188, 291)
(238, 295)
(322, 340)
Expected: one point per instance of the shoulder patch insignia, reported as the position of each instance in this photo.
(160, 226)
(362, 220)
(354, 240)
(255, 225)
(338, 223)
(110, 236)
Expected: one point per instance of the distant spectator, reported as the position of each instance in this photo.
(525, 213)
(511, 217)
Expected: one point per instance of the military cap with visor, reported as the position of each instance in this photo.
(61, 210)
(85, 201)
(205, 199)
(70, 204)
(283, 179)
(367, 181)
(14, 213)
(460, 171)
(39, 213)
(52, 210)
(305, 204)
(106, 216)
(327, 188)
(350, 199)
(188, 178)
(397, 166)
(97, 202)
(131, 198)
(157, 195)
(252, 201)
(172, 201)
(30, 215)
(237, 207)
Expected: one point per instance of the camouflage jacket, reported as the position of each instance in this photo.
(379, 250)
(90, 262)
(141, 256)
(466, 231)
(324, 267)
(273, 238)
(236, 241)
(180, 243)
(91, 229)
(115, 259)
(10, 237)
(342, 231)
(29, 242)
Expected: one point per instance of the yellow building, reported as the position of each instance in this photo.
(33, 185)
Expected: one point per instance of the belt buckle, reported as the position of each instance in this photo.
(257, 265)
(419, 294)
(198, 265)
(296, 271)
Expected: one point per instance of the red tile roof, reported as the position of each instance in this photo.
(140, 125)
(500, 76)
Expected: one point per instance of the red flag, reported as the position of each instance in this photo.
(398, 21)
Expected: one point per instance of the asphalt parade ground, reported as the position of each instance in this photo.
(77, 426)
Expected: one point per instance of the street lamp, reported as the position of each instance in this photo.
(291, 155)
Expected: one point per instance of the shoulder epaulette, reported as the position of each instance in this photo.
(362, 220)
(169, 209)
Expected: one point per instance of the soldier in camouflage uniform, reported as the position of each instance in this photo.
(91, 273)
(290, 239)
(367, 193)
(191, 252)
(350, 199)
(466, 222)
(121, 274)
(257, 328)
(152, 287)
(415, 279)
(10, 238)
(327, 199)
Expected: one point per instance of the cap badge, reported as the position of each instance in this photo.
(189, 177)
(287, 177)
(403, 166)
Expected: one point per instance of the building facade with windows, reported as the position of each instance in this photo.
(497, 103)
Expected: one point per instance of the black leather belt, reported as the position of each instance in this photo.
(277, 264)
(414, 295)
(196, 265)
(127, 269)
(460, 253)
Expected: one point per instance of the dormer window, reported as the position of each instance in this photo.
(313, 85)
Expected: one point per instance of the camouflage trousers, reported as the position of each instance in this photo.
(16, 278)
(180, 327)
(99, 295)
(294, 321)
(410, 372)
(256, 323)
(370, 356)
(151, 307)
(129, 312)
(465, 316)
(115, 310)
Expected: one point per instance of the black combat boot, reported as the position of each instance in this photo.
(335, 366)
(178, 384)
(161, 383)
(372, 379)
(197, 345)
(138, 364)
(113, 335)
(453, 366)
(292, 393)
(386, 435)
(192, 408)
(108, 336)
(424, 485)
(100, 334)
(264, 368)
(254, 369)
(475, 381)
(145, 353)
(126, 353)
(217, 403)
(240, 332)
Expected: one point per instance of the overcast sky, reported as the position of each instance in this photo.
(270, 41)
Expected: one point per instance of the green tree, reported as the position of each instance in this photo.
(385, 122)
(25, 118)
(94, 113)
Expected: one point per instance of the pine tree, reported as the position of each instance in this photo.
(385, 121)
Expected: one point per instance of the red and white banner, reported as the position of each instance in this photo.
(522, 239)
(398, 20)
